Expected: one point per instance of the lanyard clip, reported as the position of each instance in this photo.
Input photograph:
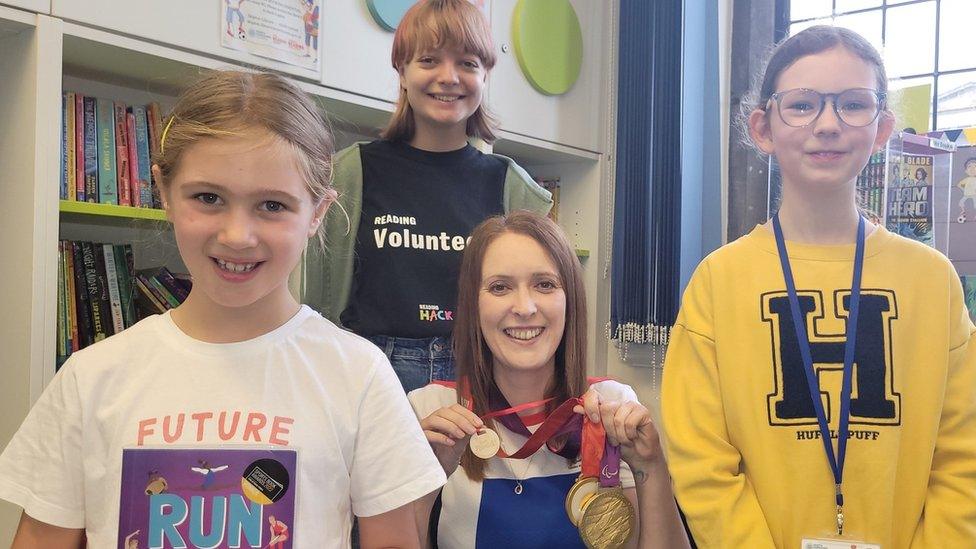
(840, 520)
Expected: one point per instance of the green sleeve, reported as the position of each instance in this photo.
(522, 192)
(328, 272)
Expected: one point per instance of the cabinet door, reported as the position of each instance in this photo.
(40, 6)
(356, 51)
(574, 118)
(191, 24)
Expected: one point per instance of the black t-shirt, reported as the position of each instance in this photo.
(419, 209)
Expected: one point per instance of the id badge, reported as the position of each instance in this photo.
(823, 543)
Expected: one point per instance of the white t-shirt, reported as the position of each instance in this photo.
(490, 513)
(205, 442)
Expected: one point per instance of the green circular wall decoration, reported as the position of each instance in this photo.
(388, 13)
(548, 44)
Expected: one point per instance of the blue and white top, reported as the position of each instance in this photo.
(491, 513)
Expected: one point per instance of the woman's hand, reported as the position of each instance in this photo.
(629, 426)
(448, 430)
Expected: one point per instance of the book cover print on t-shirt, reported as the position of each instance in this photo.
(207, 497)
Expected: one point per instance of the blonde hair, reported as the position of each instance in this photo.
(434, 24)
(227, 103)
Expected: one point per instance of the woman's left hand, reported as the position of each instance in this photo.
(629, 425)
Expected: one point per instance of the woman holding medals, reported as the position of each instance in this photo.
(520, 345)
(820, 383)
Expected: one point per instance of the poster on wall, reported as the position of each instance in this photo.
(909, 207)
(283, 30)
(962, 211)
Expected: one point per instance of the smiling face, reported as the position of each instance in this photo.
(827, 153)
(521, 304)
(444, 87)
(242, 215)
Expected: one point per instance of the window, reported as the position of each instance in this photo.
(922, 41)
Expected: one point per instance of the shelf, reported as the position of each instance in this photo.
(110, 210)
(537, 152)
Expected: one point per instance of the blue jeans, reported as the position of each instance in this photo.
(417, 362)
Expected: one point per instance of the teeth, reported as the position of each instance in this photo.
(524, 334)
(236, 267)
(446, 98)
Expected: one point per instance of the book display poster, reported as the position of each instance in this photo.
(204, 497)
(962, 211)
(910, 199)
(283, 30)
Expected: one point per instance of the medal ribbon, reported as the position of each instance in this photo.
(836, 461)
(592, 448)
(610, 466)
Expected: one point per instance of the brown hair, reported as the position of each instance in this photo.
(471, 354)
(225, 103)
(435, 24)
(809, 41)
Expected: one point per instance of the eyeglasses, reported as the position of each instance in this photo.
(856, 107)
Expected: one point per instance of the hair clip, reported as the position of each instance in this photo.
(162, 139)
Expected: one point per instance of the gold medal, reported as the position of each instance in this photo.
(485, 444)
(607, 519)
(580, 491)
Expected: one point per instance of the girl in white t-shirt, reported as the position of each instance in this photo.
(521, 339)
(285, 414)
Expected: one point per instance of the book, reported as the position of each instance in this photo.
(112, 283)
(122, 155)
(969, 294)
(123, 268)
(91, 151)
(97, 293)
(146, 300)
(85, 333)
(108, 191)
(80, 147)
(909, 208)
(176, 288)
(69, 272)
(134, 191)
(142, 152)
(162, 291)
(62, 318)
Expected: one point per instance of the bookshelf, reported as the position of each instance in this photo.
(42, 55)
(70, 208)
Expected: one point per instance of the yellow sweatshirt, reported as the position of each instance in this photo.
(742, 438)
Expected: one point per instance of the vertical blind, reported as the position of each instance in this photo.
(647, 197)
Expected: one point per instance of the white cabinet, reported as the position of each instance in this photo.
(193, 25)
(39, 6)
(356, 51)
(576, 118)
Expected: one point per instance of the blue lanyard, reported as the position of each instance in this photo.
(836, 460)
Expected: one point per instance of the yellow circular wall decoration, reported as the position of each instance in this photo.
(548, 44)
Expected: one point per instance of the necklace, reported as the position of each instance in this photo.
(520, 478)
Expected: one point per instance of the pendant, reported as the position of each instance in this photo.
(518, 487)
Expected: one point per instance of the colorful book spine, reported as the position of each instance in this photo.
(62, 330)
(100, 314)
(156, 305)
(174, 286)
(80, 147)
(123, 255)
(122, 155)
(91, 151)
(156, 286)
(133, 155)
(142, 150)
(112, 282)
(81, 297)
(69, 273)
(108, 192)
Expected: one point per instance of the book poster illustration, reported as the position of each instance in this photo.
(962, 211)
(214, 498)
(909, 207)
(283, 30)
